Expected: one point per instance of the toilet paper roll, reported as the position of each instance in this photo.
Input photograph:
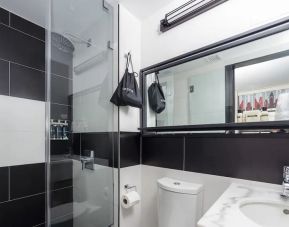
(130, 199)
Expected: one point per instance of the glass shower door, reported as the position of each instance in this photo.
(83, 123)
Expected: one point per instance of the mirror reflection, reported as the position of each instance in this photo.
(247, 83)
(262, 91)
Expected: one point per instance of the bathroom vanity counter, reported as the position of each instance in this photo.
(247, 206)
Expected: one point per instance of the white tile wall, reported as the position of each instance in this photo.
(22, 131)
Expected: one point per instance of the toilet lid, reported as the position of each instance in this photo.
(179, 186)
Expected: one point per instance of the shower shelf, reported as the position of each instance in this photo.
(59, 139)
(59, 130)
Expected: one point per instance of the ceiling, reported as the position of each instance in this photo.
(37, 10)
(143, 8)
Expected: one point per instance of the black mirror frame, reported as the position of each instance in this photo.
(243, 38)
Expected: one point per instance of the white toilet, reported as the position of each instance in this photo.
(180, 204)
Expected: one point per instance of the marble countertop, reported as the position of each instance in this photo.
(225, 211)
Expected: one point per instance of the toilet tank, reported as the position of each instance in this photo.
(180, 204)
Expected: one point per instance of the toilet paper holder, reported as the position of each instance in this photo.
(128, 187)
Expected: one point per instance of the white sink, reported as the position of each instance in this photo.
(266, 213)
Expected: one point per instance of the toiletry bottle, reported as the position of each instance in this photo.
(65, 131)
(52, 130)
(58, 131)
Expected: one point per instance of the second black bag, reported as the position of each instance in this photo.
(156, 96)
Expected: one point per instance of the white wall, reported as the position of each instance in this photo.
(132, 176)
(22, 131)
(230, 18)
(129, 40)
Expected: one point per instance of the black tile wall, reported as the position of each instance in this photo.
(4, 78)
(26, 205)
(26, 212)
(61, 202)
(27, 27)
(60, 90)
(252, 158)
(4, 16)
(61, 63)
(61, 174)
(76, 143)
(4, 188)
(21, 48)
(26, 180)
(27, 83)
(163, 151)
(65, 221)
(61, 112)
(60, 147)
(22, 66)
(129, 149)
(258, 157)
(101, 144)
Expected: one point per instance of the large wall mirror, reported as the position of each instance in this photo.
(242, 84)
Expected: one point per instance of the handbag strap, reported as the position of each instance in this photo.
(157, 77)
(129, 62)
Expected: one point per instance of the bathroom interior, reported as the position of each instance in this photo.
(203, 143)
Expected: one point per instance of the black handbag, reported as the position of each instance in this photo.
(156, 96)
(127, 92)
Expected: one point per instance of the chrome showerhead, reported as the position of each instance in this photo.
(62, 43)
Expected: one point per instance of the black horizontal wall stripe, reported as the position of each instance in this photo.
(129, 149)
(163, 151)
(258, 157)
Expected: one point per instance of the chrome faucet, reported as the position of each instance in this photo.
(88, 162)
(285, 184)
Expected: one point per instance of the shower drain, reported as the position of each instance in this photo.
(286, 211)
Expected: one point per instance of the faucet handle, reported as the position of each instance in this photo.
(286, 174)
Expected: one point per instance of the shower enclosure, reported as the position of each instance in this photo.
(82, 126)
